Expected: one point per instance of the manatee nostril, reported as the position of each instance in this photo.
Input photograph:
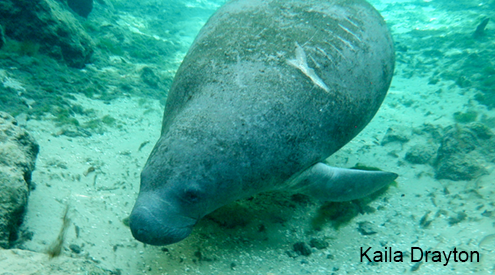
(140, 233)
(143, 228)
(141, 224)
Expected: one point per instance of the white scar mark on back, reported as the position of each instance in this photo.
(350, 21)
(345, 42)
(336, 49)
(350, 32)
(325, 54)
(301, 63)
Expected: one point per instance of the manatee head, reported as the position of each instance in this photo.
(179, 186)
(158, 219)
(154, 220)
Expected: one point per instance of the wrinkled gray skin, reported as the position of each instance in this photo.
(267, 90)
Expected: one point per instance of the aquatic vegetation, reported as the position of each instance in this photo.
(89, 92)
(489, 70)
(63, 117)
(10, 103)
(489, 81)
(142, 101)
(93, 124)
(149, 77)
(98, 125)
(469, 116)
(488, 121)
(108, 120)
(142, 53)
(23, 48)
(110, 46)
(55, 249)
(487, 98)
(78, 109)
(90, 26)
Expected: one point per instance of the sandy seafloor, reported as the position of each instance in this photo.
(102, 199)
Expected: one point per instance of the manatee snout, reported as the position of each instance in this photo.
(154, 223)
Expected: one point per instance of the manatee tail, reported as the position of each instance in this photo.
(338, 184)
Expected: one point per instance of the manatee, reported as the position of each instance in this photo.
(267, 91)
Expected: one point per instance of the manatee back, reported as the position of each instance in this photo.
(278, 85)
(338, 51)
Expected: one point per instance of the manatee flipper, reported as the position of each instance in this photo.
(338, 184)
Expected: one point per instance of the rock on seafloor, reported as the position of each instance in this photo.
(81, 7)
(48, 24)
(464, 152)
(18, 151)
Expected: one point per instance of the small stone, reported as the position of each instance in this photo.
(302, 248)
(75, 248)
(366, 228)
(291, 253)
(487, 213)
(318, 243)
(459, 218)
